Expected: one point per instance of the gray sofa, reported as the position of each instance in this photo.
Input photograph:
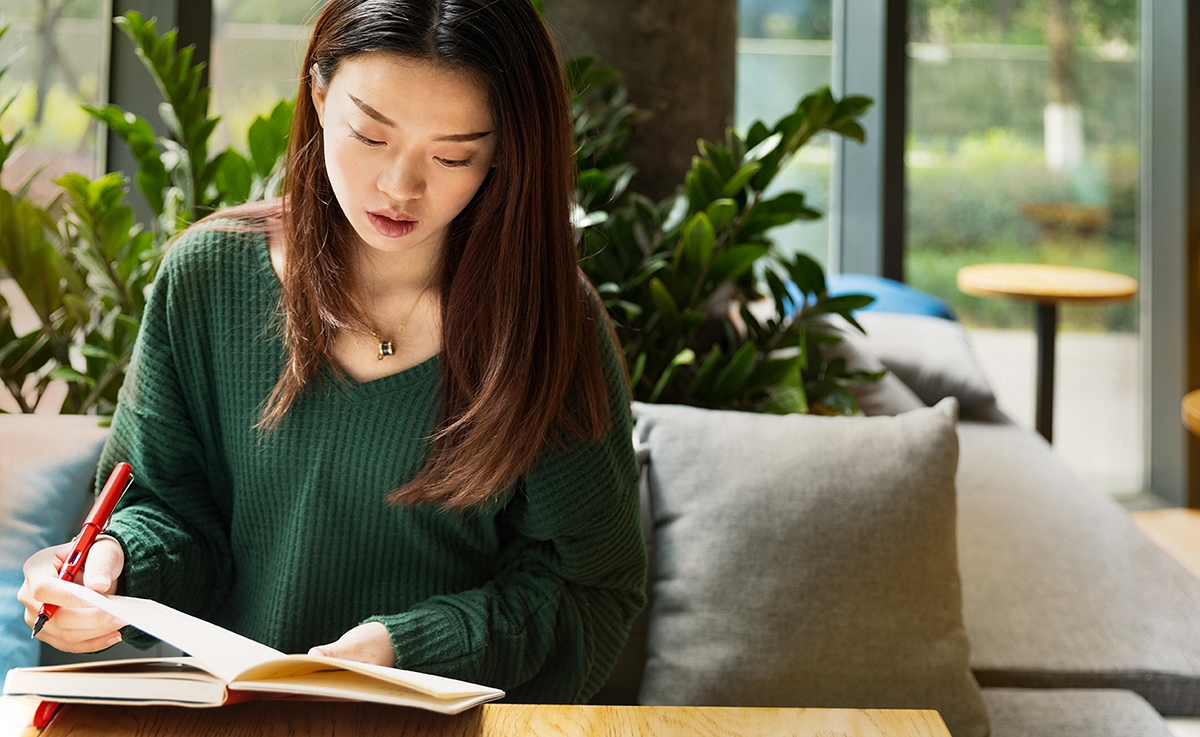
(1077, 624)
(902, 561)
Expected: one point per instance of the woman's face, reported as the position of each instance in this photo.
(407, 145)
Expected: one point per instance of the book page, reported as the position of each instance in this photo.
(316, 667)
(223, 653)
(236, 659)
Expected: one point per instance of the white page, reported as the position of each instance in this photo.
(228, 655)
(225, 654)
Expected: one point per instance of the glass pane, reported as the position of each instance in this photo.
(1023, 147)
(57, 51)
(785, 52)
(258, 46)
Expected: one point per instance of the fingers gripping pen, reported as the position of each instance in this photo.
(97, 519)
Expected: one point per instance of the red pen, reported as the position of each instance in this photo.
(97, 519)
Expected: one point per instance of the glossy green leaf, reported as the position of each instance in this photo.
(740, 179)
(852, 106)
(851, 129)
(788, 395)
(772, 371)
(732, 263)
(703, 378)
(721, 213)
(66, 373)
(698, 236)
(677, 214)
(733, 377)
(807, 274)
(639, 367)
(846, 303)
(756, 134)
(763, 149)
(664, 302)
(697, 199)
(789, 203)
(684, 357)
(719, 157)
(710, 182)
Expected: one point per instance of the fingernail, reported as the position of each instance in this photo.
(116, 637)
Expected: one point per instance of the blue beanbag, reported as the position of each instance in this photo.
(890, 296)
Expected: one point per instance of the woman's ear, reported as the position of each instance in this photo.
(318, 93)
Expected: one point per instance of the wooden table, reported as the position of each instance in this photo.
(1176, 531)
(299, 718)
(1191, 411)
(1045, 286)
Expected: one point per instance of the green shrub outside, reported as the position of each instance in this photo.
(965, 206)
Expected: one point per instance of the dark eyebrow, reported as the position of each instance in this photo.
(372, 112)
(376, 115)
(463, 137)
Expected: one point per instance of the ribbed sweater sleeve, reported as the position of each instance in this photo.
(176, 540)
(551, 623)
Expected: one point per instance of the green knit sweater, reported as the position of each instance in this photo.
(287, 538)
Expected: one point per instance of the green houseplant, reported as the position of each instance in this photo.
(680, 277)
(84, 263)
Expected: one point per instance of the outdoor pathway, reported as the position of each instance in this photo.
(1097, 407)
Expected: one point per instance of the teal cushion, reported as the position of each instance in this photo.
(47, 469)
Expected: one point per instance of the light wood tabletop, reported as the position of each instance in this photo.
(1176, 531)
(298, 718)
(1044, 282)
(1191, 411)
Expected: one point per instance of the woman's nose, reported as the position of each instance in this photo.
(404, 180)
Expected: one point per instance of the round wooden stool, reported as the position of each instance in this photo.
(1046, 286)
(1191, 411)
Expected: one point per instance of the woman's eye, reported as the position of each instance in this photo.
(359, 137)
(453, 162)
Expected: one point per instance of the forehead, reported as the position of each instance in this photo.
(412, 92)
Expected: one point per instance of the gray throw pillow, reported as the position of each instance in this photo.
(931, 355)
(807, 561)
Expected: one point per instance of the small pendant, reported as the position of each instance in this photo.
(385, 349)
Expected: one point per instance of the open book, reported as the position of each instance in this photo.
(225, 667)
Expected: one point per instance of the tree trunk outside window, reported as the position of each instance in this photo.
(678, 59)
(1063, 116)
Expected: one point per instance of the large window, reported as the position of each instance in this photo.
(258, 46)
(1023, 147)
(57, 52)
(784, 53)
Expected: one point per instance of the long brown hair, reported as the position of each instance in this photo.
(520, 367)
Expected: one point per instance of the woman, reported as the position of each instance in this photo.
(385, 418)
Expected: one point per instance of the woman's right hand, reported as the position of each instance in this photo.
(76, 627)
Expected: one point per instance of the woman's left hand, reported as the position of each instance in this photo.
(366, 643)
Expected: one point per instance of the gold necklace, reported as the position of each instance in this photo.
(388, 347)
